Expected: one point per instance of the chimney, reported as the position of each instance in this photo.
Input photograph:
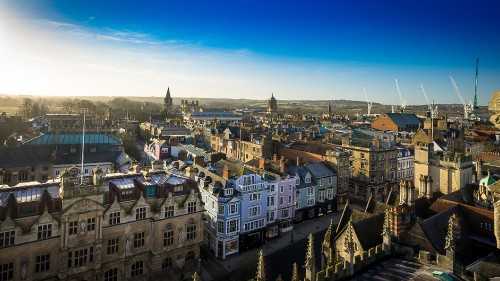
(182, 155)
(262, 163)
(275, 157)
(200, 161)
(299, 161)
(282, 165)
(225, 172)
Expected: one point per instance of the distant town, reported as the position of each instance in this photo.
(118, 188)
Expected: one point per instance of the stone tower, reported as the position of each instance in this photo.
(168, 105)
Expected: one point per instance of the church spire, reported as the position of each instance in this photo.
(168, 93)
(261, 271)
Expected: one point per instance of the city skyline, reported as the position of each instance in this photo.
(320, 51)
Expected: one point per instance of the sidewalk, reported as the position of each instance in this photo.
(213, 268)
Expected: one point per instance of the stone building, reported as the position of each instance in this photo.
(272, 105)
(188, 107)
(139, 226)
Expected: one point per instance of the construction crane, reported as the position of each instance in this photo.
(433, 111)
(403, 102)
(467, 108)
(475, 92)
(368, 102)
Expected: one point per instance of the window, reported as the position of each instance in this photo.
(320, 182)
(192, 207)
(233, 209)
(220, 227)
(307, 179)
(169, 211)
(73, 227)
(80, 257)
(7, 238)
(150, 192)
(140, 213)
(373, 157)
(167, 263)
(362, 156)
(191, 232)
(44, 231)
(221, 209)
(321, 196)
(329, 193)
(289, 199)
(42, 263)
(270, 201)
(91, 224)
(254, 196)
(284, 213)
(272, 188)
(137, 269)
(114, 218)
(254, 211)
(310, 191)
(233, 225)
(281, 200)
(138, 239)
(168, 238)
(290, 187)
(270, 216)
(23, 175)
(111, 275)
(310, 202)
(190, 256)
(330, 180)
(7, 271)
(281, 189)
(112, 246)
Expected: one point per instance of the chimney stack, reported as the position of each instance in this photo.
(262, 163)
(225, 172)
(282, 165)
(299, 161)
(200, 161)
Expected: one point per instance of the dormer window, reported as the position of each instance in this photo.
(178, 188)
(307, 178)
(228, 191)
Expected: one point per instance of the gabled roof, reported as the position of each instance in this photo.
(235, 169)
(369, 230)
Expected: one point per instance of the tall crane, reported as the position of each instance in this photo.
(403, 102)
(475, 91)
(433, 111)
(467, 108)
(368, 102)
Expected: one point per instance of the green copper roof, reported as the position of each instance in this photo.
(91, 138)
(486, 181)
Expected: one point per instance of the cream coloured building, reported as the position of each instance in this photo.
(139, 226)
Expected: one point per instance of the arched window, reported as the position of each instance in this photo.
(111, 275)
(137, 269)
(22, 176)
(167, 263)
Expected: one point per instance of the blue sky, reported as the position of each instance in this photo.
(249, 49)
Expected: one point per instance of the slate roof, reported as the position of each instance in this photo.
(90, 138)
(320, 170)
(404, 119)
(235, 169)
(369, 230)
(90, 157)
(24, 156)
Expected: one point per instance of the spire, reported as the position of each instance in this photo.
(168, 92)
(326, 250)
(196, 277)
(261, 271)
(349, 240)
(295, 272)
(385, 228)
(279, 278)
(310, 260)
(453, 234)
